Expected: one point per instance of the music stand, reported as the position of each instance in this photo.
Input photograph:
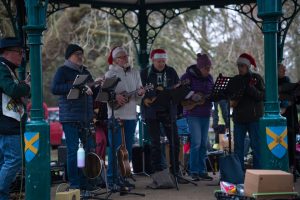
(79, 81)
(219, 92)
(107, 94)
(169, 98)
(77, 89)
(143, 172)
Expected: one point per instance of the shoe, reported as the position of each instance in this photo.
(205, 177)
(195, 177)
(181, 180)
(128, 184)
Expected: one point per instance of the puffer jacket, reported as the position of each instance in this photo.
(72, 110)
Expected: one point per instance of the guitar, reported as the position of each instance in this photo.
(122, 155)
(149, 101)
(197, 99)
(128, 95)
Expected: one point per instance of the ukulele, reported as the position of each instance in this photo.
(128, 95)
(122, 155)
(199, 99)
(149, 101)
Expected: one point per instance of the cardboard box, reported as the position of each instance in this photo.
(267, 181)
(68, 195)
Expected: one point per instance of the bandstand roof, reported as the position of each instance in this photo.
(152, 4)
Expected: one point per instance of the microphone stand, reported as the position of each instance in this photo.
(87, 194)
(114, 189)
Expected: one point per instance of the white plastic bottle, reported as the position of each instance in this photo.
(80, 156)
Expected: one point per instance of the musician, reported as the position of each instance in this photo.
(247, 108)
(198, 117)
(13, 114)
(163, 77)
(129, 81)
(288, 100)
(74, 114)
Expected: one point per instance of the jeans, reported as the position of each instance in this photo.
(199, 132)
(75, 175)
(129, 130)
(10, 162)
(240, 130)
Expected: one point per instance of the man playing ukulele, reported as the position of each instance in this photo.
(129, 81)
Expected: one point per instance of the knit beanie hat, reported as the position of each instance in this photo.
(246, 59)
(114, 52)
(158, 54)
(71, 49)
(10, 42)
(203, 61)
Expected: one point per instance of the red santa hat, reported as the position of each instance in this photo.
(246, 59)
(114, 52)
(158, 54)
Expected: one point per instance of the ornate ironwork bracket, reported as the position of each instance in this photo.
(7, 4)
(290, 9)
(54, 7)
(155, 21)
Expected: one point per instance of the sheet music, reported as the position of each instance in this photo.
(80, 79)
(74, 92)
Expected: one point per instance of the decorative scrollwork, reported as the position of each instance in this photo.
(156, 20)
(54, 7)
(12, 15)
(290, 9)
(248, 10)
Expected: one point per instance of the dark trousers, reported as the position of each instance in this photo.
(154, 130)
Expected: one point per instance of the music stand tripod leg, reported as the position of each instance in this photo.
(143, 172)
(176, 176)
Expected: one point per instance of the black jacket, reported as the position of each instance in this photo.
(166, 79)
(16, 90)
(250, 105)
(287, 93)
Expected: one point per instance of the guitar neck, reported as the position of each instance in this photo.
(129, 94)
(123, 135)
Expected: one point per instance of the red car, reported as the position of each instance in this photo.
(56, 130)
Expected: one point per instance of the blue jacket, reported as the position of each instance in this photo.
(75, 110)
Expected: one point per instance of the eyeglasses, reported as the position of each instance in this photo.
(241, 65)
(123, 57)
(19, 51)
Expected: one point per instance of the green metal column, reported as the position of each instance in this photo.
(143, 54)
(273, 137)
(38, 168)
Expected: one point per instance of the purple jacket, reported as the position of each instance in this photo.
(201, 84)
